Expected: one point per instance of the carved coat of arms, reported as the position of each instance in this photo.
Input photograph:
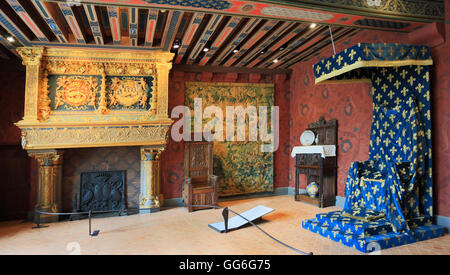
(76, 91)
(128, 92)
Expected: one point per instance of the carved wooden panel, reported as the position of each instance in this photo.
(325, 131)
(200, 187)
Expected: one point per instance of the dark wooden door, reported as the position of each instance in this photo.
(14, 183)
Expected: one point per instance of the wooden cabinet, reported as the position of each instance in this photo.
(200, 186)
(319, 169)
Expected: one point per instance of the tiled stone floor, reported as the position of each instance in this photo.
(175, 231)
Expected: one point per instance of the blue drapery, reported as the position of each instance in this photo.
(390, 181)
(396, 181)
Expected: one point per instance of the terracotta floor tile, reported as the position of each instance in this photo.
(175, 231)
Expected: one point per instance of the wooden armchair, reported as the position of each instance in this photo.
(200, 186)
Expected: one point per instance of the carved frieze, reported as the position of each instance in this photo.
(93, 136)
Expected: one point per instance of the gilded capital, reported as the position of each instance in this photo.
(47, 157)
(151, 153)
(31, 56)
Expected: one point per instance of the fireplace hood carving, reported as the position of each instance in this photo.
(94, 98)
(78, 98)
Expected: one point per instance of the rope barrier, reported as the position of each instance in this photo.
(96, 232)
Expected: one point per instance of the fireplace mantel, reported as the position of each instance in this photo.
(78, 98)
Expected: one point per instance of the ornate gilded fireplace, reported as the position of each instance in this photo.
(94, 98)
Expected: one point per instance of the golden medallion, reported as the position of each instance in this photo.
(76, 91)
(128, 92)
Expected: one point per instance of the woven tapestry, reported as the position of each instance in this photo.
(241, 166)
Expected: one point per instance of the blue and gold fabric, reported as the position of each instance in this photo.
(394, 186)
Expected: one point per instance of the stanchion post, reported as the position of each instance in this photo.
(225, 218)
(95, 233)
(37, 218)
(90, 223)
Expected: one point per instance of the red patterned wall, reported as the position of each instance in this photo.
(440, 87)
(12, 98)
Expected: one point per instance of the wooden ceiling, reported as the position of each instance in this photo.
(199, 38)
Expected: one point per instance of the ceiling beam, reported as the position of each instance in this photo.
(317, 47)
(220, 39)
(72, 21)
(12, 28)
(23, 14)
(268, 25)
(240, 36)
(94, 23)
(172, 24)
(282, 43)
(313, 38)
(293, 44)
(114, 23)
(209, 30)
(133, 26)
(194, 24)
(51, 22)
(151, 27)
(266, 42)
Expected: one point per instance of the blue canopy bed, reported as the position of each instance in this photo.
(389, 197)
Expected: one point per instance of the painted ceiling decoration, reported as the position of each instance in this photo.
(250, 34)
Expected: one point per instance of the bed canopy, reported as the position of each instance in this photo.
(389, 197)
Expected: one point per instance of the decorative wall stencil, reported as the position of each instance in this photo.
(206, 4)
(405, 7)
(241, 166)
(297, 14)
(381, 23)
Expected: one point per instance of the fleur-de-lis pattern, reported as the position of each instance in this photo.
(394, 187)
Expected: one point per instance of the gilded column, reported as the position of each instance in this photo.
(31, 58)
(163, 89)
(150, 196)
(49, 189)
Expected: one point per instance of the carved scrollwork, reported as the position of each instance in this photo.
(103, 103)
(44, 99)
(31, 56)
(68, 137)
